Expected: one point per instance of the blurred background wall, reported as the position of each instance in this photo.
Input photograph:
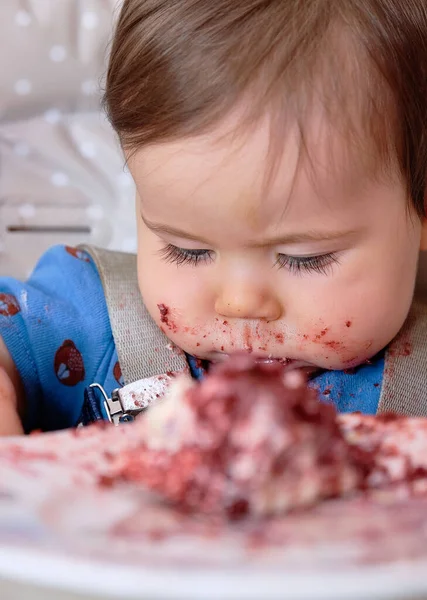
(62, 174)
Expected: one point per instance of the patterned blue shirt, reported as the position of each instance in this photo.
(57, 330)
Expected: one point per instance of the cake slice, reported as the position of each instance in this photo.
(248, 439)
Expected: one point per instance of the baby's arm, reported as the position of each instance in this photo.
(10, 390)
(56, 339)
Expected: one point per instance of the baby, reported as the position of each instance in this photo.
(279, 150)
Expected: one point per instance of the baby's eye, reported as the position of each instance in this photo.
(182, 256)
(311, 264)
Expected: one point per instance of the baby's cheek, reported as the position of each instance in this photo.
(174, 288)
(178, 327)
(336, 344)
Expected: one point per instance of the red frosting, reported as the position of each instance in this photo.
(225, 407)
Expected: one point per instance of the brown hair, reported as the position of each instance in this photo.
(178, 66)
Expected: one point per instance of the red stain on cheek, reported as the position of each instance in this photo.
(164, 311)
(334, 345)
(165, 318)
(280, 338)
(191, 330)
(318, 338)
(321, 338)
(320, 335)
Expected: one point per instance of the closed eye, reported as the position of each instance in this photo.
(182, 256)
(321, 264)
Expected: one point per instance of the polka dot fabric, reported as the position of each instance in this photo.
(55, 54)
(62, 168)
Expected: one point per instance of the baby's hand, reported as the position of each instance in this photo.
(10, 423)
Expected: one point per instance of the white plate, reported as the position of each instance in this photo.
(65, 576)
(61, 533)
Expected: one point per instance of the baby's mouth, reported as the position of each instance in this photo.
(288, 364)
(269, 360)
(218, 357)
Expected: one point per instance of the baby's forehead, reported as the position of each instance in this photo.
(256, 174)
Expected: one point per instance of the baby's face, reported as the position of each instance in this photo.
(315, 266)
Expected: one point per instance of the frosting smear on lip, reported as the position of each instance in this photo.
(245, 440)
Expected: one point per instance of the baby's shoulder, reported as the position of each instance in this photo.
(68, 272)
(64, 290)
(63, 260)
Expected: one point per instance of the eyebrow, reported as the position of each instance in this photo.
(297, 238)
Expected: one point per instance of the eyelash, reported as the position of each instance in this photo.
(295, 264)
(310, 264)
(182, 256)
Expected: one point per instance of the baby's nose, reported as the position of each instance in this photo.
(248, 302)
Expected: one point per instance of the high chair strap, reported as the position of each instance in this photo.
(142, 349)
(404, 388)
